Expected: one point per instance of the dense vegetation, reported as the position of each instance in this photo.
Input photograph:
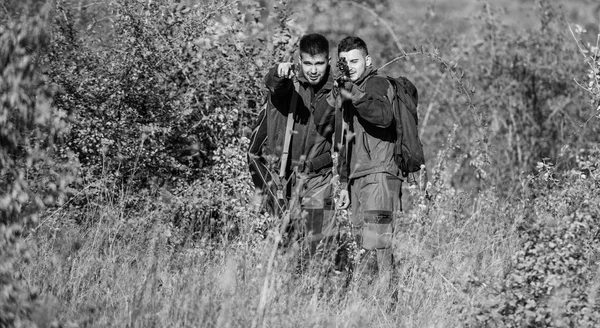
(125, 198)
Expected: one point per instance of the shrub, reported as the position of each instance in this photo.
(171, 85)
(552, 280)
(30, 178)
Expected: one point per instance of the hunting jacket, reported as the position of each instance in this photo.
(370, 139)
(310, 146)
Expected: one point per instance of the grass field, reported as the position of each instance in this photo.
(132, 153)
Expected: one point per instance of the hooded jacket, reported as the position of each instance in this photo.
(310, 146)
(369, 143)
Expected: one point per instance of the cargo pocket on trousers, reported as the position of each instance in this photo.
(377, 229)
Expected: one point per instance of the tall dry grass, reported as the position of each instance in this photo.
(105, 266)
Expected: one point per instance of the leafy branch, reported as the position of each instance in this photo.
(591, 55)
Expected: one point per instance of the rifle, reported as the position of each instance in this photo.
(289, 128)
(342, 66)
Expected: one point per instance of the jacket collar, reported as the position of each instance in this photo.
(368, 72)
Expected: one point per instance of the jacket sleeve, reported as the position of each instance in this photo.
(279, 88)
(372, 103)
(256, 161)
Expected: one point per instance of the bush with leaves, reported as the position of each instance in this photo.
(216, 208)
(553, 279)
(168, 86)
(591, 56)
(162, 95)
(30, 177)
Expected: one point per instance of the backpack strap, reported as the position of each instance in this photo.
(392, 93)
(289, 127)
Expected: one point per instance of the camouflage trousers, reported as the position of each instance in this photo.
(375, 200)
(316, 199)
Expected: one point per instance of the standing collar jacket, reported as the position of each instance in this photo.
(310, 147)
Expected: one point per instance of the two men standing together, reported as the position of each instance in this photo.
(352, 115)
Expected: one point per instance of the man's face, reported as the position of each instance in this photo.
(314, 67)
(357, 61)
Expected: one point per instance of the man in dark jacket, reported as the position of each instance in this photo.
(302, 94)
(370, 178)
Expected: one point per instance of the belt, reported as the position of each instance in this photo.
(314, 164)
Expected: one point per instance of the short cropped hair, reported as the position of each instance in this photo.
(352, 42)
(314, 44)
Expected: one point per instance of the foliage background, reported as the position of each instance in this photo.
(125, 198)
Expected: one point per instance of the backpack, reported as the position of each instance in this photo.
(408, 149)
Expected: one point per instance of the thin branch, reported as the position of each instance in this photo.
(588, 120)
(447, 67)
(46, 219)
(577, 42)
(7, 14)
(430, 106)
(92, 4)
(403, 55)
(448, 281)
(381, 20)
(592, 61)
(582, 86)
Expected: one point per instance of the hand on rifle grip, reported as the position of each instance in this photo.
(344, 200)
